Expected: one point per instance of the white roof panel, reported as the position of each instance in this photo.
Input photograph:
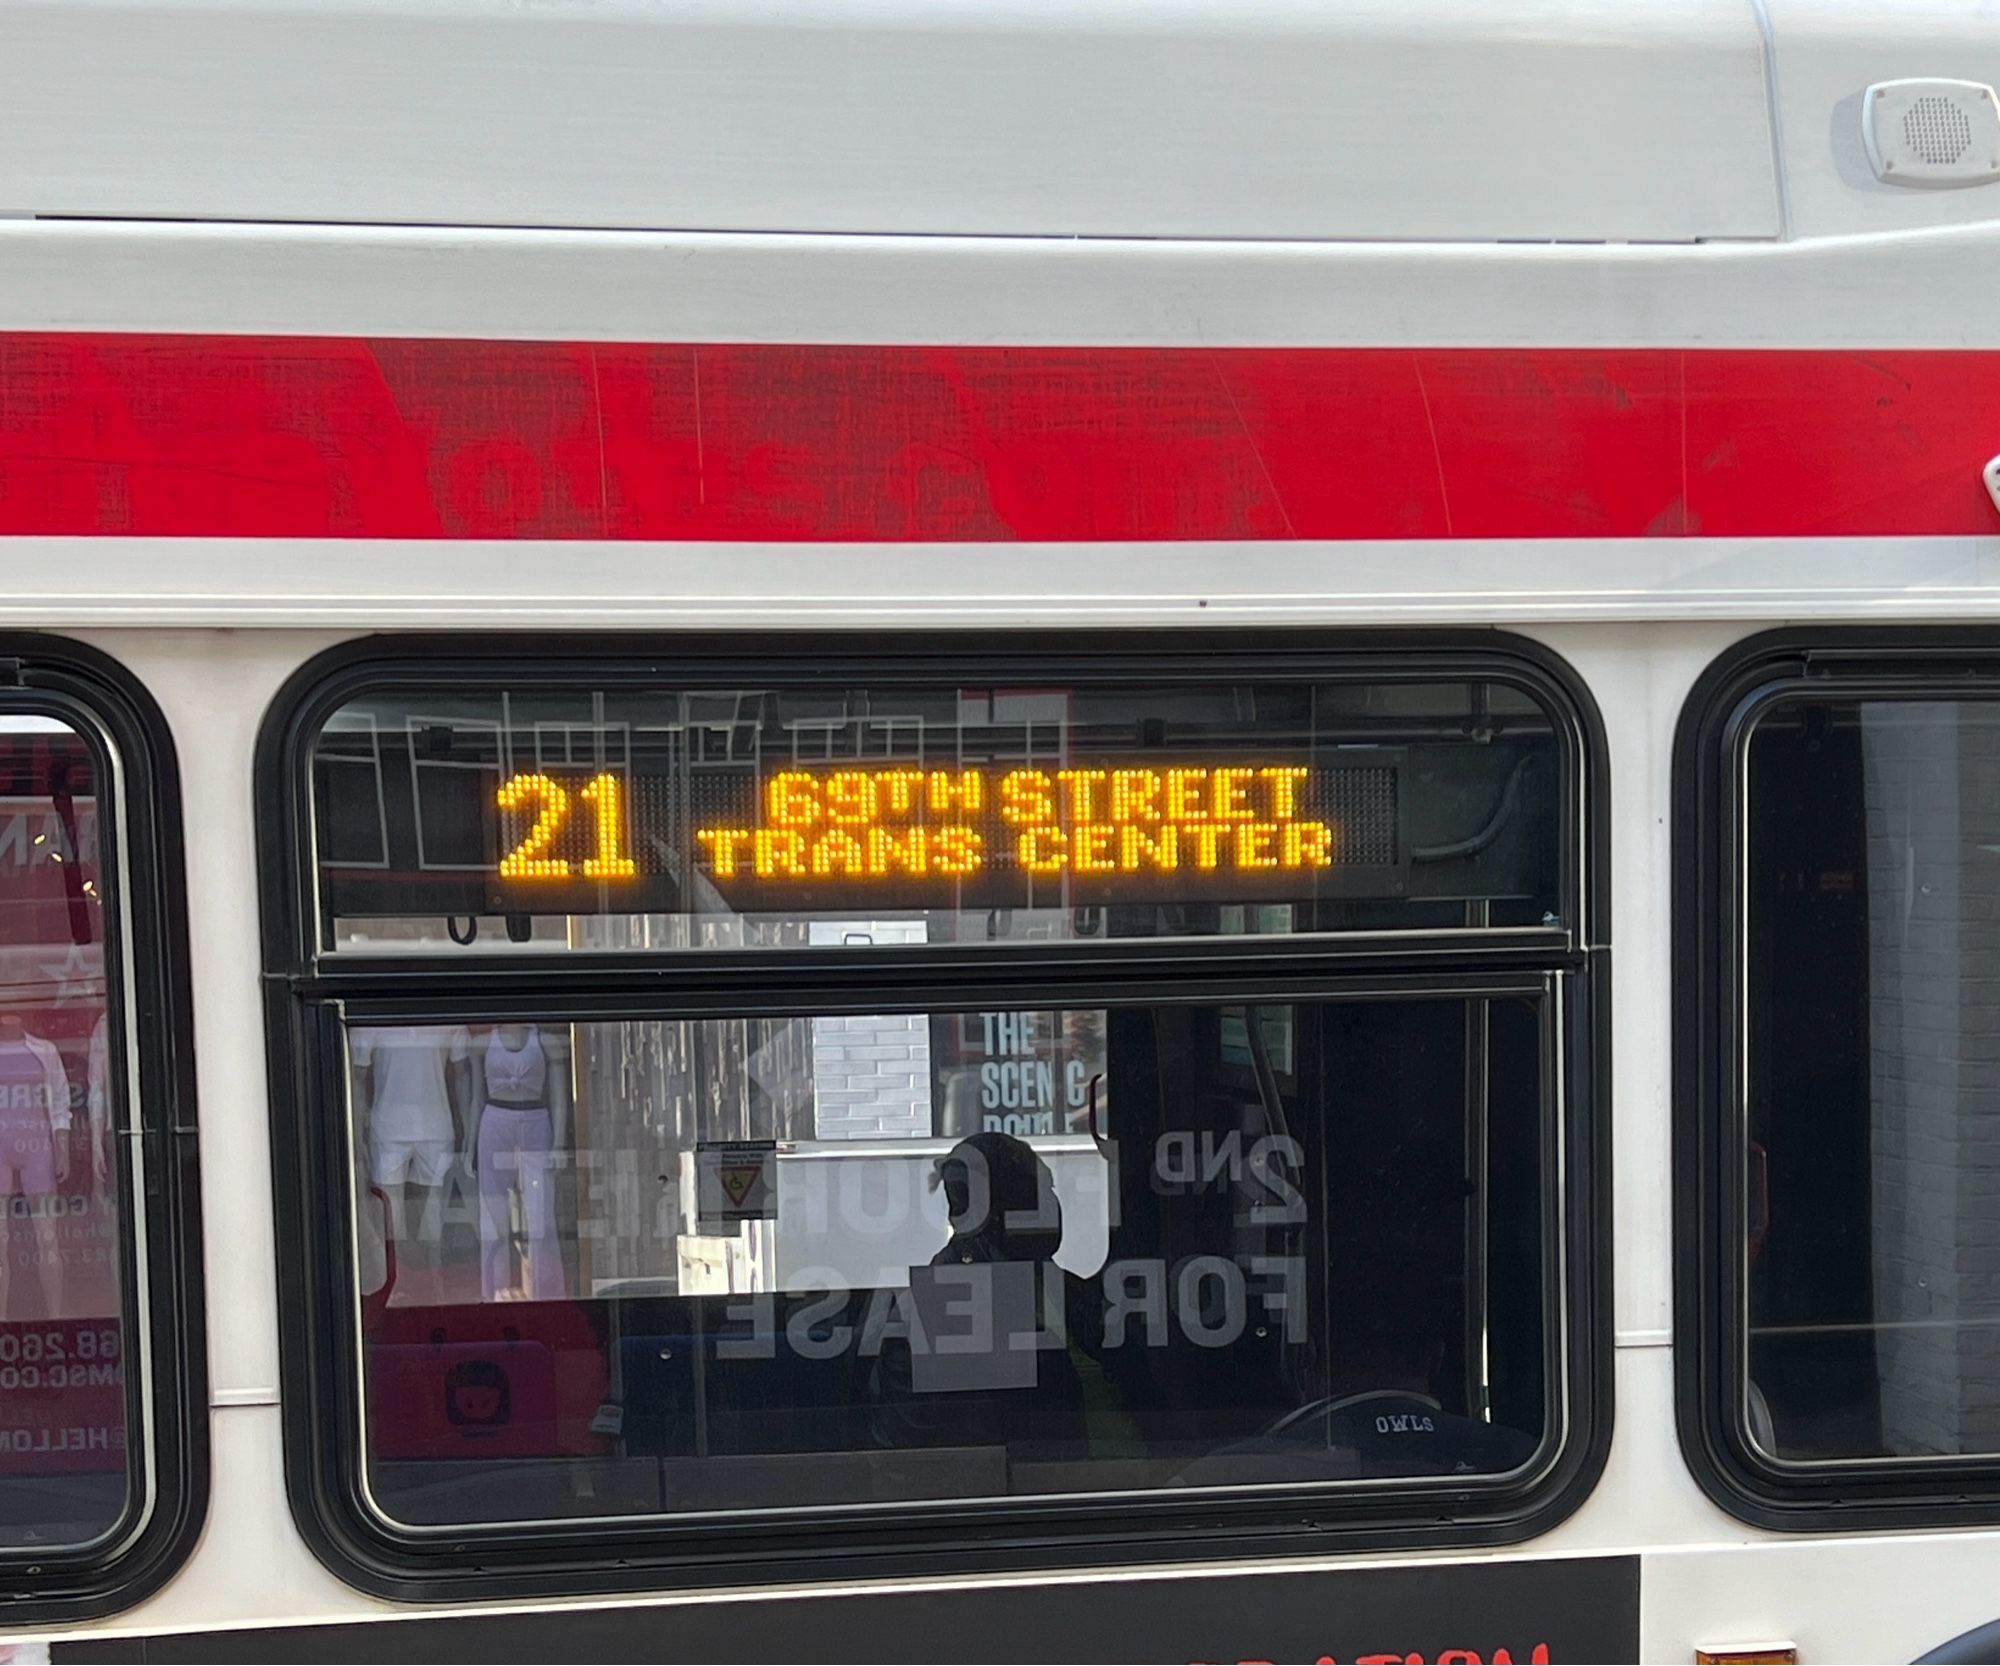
(1311, 119)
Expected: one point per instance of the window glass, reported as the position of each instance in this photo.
(63, 1437)
(1871, 1157)
(687, 1265)
(618, 817)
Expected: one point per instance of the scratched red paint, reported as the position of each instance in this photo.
(162, 436)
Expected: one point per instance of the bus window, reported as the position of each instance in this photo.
(1026, 1100)
(96, 1443)
(1853, 1143)
(1874, 928)
(62, 1402)
(606, 1296)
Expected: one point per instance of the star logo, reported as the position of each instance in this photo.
(79, 975)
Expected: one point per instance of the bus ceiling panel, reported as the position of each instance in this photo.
(1386, 119)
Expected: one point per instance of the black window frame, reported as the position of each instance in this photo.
(1710, 1211)
(308, 990)
(138, 788)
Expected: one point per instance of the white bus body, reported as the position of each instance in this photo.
(1546, 175)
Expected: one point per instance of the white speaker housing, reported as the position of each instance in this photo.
(1932, 133)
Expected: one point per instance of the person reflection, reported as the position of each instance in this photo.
(1001, 1200)
(980, 1354)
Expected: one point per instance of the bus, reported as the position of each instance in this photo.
(1145, 830)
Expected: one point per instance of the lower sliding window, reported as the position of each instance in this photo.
(1247, 1253)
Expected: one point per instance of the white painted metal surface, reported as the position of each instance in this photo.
(251, 280)
(1590, 120)
(1827, 53)
(1151, 118)
(539, 586)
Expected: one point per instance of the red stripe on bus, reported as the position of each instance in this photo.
(183, 436)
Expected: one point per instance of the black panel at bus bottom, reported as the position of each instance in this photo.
(1550, 1610)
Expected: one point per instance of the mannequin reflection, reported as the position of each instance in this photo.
(34, 1161)
(410, 1092)
(520, 1127)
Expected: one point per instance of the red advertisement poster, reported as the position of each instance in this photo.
(62, 1396)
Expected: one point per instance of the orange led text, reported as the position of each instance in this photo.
(887, 824)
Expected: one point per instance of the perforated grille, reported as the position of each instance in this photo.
(1936, 129)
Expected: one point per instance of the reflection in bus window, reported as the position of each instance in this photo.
(683, 1265)
(1872, 1165)
(62, 1398)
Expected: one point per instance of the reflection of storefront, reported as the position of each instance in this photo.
(59, 1256)
(859, 1108)
(62, 1387)
(1031, 1074)
(62, 1404)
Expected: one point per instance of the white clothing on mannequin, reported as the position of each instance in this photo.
(411, 1136)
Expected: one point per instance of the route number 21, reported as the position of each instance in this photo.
(550, 800)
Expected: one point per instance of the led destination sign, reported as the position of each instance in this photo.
(818, 814)
(994, 836)
(641, 839)
(886, 824)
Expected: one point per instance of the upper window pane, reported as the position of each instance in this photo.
(63, 1449)
(1870, 1158)
(798, 816)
